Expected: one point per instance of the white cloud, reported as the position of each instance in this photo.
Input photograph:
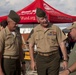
(7, 5)
(12, 2)
(66, 6)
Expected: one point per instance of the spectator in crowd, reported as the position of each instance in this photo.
(72, 57)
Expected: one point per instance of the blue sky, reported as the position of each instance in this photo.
(66, 6)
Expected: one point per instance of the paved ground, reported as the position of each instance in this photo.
(31, 73)
(28, 70)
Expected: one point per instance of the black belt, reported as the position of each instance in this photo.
(47, 53)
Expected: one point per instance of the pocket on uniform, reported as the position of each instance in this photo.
(9, 42)
(51, 39)
(38, 39)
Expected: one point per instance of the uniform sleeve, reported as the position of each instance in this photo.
(60, 35)
(1, 41)
(31, 37)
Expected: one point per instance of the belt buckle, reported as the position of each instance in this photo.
(45, 54)
(13, 57)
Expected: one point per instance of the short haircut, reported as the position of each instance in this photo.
(4, 23)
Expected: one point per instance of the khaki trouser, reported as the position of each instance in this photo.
(11, 66)
(48, 65)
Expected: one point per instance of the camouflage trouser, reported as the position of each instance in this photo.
(48, 65)
(11, 66)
